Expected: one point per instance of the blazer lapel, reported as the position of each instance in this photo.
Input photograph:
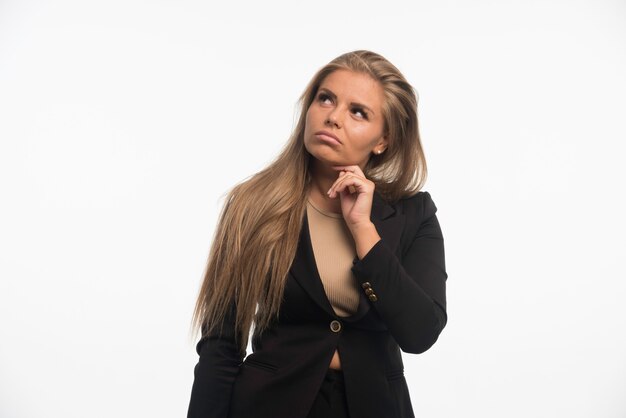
(304, 269)
(389, 225)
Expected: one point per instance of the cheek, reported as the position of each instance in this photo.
(366, 136)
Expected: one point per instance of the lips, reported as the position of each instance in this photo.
(328, 135)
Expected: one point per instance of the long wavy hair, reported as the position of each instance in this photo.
(259, 224)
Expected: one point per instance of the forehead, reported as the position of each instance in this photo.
(355, 87)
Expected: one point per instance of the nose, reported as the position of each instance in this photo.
(332, 119)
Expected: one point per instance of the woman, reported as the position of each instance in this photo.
(333, 254)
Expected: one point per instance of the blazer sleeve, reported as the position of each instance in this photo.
(215, 371)
(409, 294)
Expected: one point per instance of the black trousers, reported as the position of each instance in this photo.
(330, 401)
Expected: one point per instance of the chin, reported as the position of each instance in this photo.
(321, 154)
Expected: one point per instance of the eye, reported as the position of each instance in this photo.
(361, 111)
(322, 97)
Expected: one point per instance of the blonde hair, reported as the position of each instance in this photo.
(259, 225)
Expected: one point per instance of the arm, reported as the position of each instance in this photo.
(410, 293)
(215, 371)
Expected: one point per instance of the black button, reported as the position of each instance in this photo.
(366, 285)
(373, 297)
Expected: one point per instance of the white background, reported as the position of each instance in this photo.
(124, 123)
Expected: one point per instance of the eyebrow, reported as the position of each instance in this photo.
(334, 96)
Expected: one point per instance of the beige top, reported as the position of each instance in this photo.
(334, 251)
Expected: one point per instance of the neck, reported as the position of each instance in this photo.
(322, 178)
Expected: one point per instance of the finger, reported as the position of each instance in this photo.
(348, 173)
(337, 181)
(351, 188)
(353, 183)
(355, 169)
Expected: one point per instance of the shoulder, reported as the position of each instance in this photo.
(419, 212)
(417, 207)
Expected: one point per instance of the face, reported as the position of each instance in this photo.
(348, 106)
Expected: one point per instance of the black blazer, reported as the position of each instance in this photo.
(402, 307)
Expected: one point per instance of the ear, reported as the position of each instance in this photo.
(381, 145)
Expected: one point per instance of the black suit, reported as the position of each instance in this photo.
(405, 309)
